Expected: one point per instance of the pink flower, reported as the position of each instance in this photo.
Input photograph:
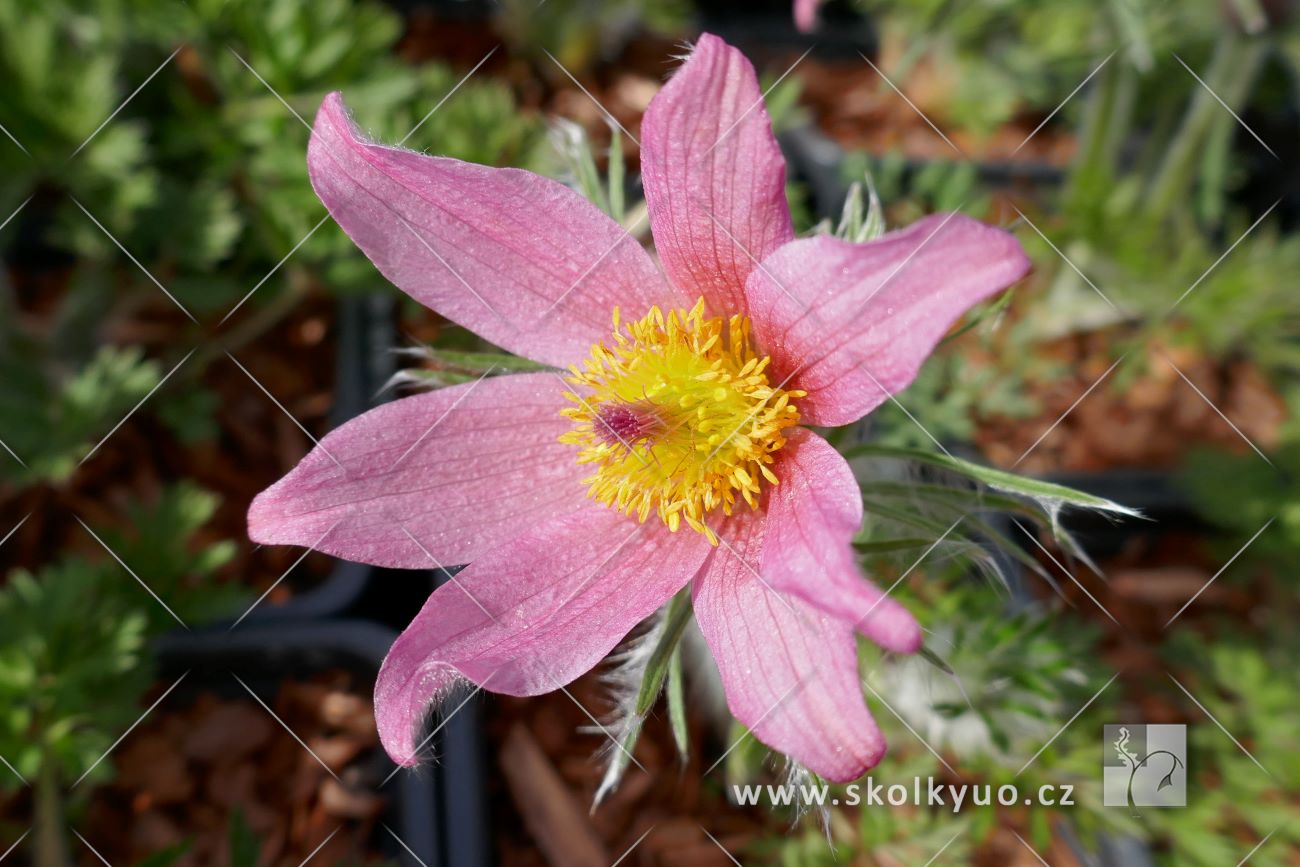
(583, 501)
(805, 14)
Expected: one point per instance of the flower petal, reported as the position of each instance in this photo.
(714, 177)
(811, 518)
(852, 323)
(517, 258)
(790, 671)
(463, 469)
(805, 15)
(531, 615)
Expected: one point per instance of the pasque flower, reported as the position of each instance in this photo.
(667, 452)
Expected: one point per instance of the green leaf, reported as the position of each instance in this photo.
(481, 362)
(675, 620)
(620, 757)
(570, 142)
(677, 704)
(888, 546)
(245, 848)
(935, 659)
(170, 855)
(1001, 480)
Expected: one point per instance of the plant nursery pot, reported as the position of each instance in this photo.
(435, 811)
(765, 30)
(1153, 493)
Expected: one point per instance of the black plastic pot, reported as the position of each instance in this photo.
(1153, 493)
(366, 335)
(765, 30)
(432, 809)
(393, 597)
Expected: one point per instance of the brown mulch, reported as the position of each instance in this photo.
(256, 443)
(857, 108)
(183, 774)
(546, 811)
(1151, 419)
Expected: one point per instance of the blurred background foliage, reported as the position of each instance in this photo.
(157, 146)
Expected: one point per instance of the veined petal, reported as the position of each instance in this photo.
(517, 258)
(851, 323)
(714, 177)
(790, 671)
(531, 615)
(811, 518)
(462, 469)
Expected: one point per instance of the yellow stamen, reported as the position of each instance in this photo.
(677, 417)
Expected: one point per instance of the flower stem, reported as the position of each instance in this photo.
(49, 841)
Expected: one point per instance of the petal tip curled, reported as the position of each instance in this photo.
(898, 631)
(866, 758)
(404, 700)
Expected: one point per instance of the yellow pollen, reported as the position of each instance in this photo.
(676, 417)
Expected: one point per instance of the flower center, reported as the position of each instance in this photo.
(676, 415)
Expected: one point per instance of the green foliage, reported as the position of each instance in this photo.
(893, 836)
(1251, 686)
(917, 189)
(53, 420)
(162, 547)
(1001, 59)
(995, 708)
(65, 392)
(53, 106)
(950, 394)
(573, 147)
(579, 33)
(245, 848)
(72, 667)
(202, 175)
(781, 99)
(73, 660)
(862, 219)
(1006, 683)
(1145, 211)
(1240, 494)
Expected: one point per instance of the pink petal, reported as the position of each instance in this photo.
(517, 258)
(852, 323)
(714, 176)
(790, 671)
(463, 469)
(805, 14)
(531, 615)
(812, 516)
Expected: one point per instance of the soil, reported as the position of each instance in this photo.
(185, 772)
(1151, 418)
(676, 804)
(254, 445)
(853, 105)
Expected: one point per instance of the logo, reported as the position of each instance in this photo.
(1145, 766)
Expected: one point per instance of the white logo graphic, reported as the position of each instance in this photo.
(1145, 766)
